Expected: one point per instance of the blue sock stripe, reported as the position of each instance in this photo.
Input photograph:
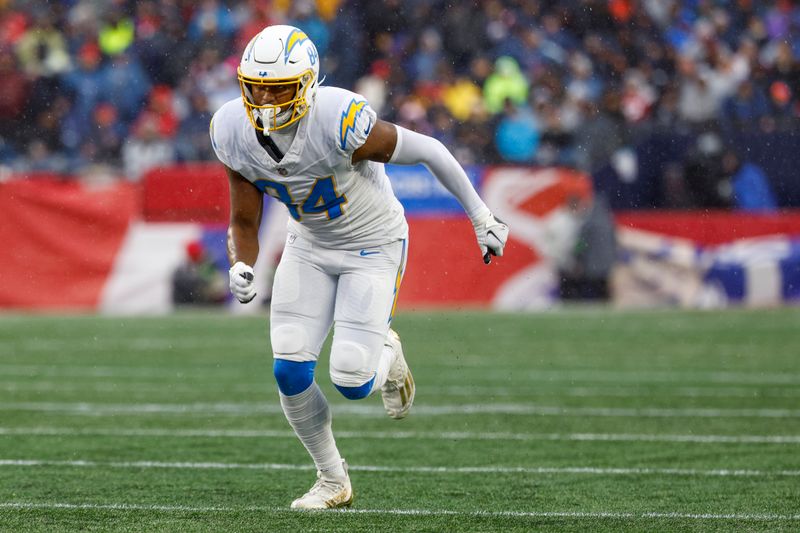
(293, 377)
(356, 393)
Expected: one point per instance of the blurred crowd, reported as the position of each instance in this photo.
(122, 86)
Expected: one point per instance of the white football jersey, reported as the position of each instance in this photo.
(331, 201)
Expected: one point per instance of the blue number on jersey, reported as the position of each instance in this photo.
(281, 192)
(323, 197)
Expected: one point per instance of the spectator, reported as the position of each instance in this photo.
(38, 157)
(506, 83)
(103, 145)
(147, 149)
(374, 87)
(85, 85)
(586, 271)
(160, 110)
(464, 33)
(191, 142)
(425, 60)
(126, 80)
(303, 14)
(707, 183)
(42, 49)
(13, 97)
(517, 135)
(751, 188)
(637, 97)
(216, 77)
(697, 104)
(746, 108)
(197, 281)
(117, 34)
(46, 124)
(600, 134)
(677, 67)
(212, 23)
(462, 97)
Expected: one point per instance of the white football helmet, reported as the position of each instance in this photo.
(279, 55)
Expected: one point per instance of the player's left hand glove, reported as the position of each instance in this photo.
(492, 236)
(241, 282)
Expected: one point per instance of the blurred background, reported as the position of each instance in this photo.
(644, 152)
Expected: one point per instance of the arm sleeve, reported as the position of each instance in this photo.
(413, 148)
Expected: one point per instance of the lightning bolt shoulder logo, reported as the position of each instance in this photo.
(348, 120)
(295, 38)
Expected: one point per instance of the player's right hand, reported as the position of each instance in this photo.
(241, 282)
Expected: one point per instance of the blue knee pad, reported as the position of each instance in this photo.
(293, 377)
(356, 393)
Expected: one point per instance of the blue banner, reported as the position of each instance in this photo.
(422, 194)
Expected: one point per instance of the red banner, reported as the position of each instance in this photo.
(60, 240)
(712, 227)
(196, 192)
(445, 265)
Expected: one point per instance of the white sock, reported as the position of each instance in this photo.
(310, 417)
(384, 364)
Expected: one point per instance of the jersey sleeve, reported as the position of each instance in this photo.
(217, 142)
(354, 124)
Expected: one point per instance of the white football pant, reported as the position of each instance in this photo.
(354, 290)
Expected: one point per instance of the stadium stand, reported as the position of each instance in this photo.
(128, 85)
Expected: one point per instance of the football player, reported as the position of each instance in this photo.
(321, 151)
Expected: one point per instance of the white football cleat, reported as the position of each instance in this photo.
(398, 391)
(327, 493)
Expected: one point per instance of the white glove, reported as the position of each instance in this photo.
(492, 236)
(241, 282)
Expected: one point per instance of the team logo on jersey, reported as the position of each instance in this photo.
(296, 37)
(348, 120)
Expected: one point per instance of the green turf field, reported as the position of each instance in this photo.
(575, 420)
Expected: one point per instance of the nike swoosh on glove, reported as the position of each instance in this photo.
(241, 282)
(492, 236)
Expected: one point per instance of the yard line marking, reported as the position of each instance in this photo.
(407, 469)
(755, 517)
(537, 375)
(386, 435)
(709, 391)
(147, 344)
(125, 372)
(262, 408)
(268, 387)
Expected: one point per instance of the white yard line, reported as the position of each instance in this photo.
(578, 470)
(370, 410)
(142, 344)
(11, 384)
(536, 375)
(389, 435)
(760, 517)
